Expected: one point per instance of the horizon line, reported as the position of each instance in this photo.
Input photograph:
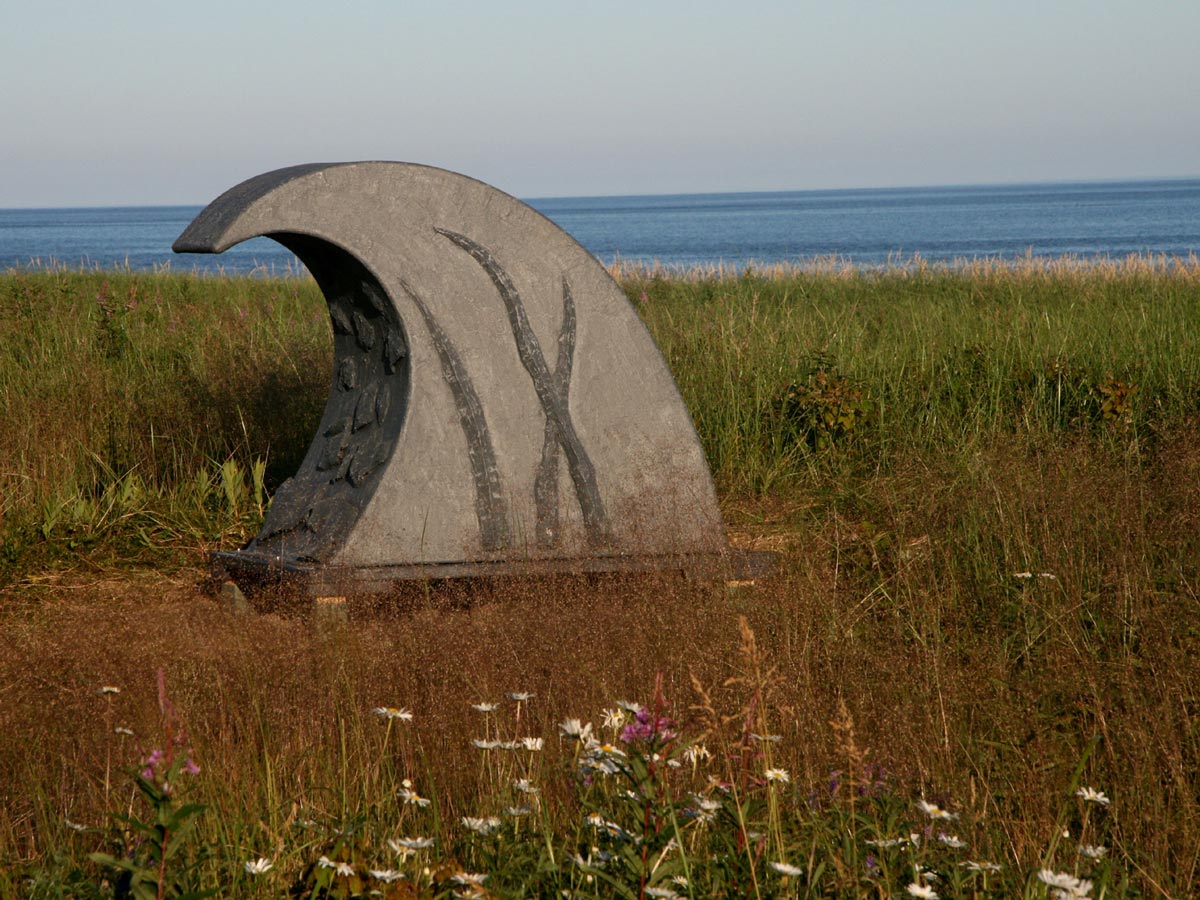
(831, 190)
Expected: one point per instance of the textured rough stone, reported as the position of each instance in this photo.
(495, 404)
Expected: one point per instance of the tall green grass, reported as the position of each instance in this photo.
(108, 375)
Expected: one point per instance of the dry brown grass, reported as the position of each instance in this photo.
(962, 681)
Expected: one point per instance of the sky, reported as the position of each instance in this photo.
(149, 103)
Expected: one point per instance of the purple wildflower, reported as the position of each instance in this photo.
(647, 726)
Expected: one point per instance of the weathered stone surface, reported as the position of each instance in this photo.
(494, 399)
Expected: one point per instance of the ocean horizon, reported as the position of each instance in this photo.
(864, 227)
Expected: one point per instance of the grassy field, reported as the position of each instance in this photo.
(982, 481)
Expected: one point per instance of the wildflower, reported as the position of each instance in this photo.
(575, 729)
(533, 743)
(390, 712)
(324, 862)
(680, 881)
(952, 841)
(1065, 885)
(485, 744)
(613, 718)
(646, 726)
(485, 707)
(1023, 576)
(786, 869)
(629, 706)
(525, 786)
(408, 795)
(122, 730)
(612, 829)
(695, 753)
(517, 811)
(387, 876)
(473, 879)
(921, 890)
(934, 811)
(520, 696)
(769, 738)
(345, 869)
(1091, 795)
(109, 689)
(482, 826)
(260, 866)
(663, 893)
(779, 775)
(1093, 851)
(408, 844)
(887, 843)
(973, 866)
(74, 826)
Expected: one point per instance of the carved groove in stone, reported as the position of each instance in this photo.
(490, 507)
(545, 486)
(554, 402)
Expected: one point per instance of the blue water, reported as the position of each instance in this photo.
(868, 227)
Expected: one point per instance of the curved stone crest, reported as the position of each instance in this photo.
(495, 400)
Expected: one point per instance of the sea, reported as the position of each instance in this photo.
(868, 228)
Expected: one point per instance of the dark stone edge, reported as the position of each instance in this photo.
(251, 570)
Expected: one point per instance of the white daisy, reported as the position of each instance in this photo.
(779, 775)
(259, 866)
(575, 729)
(786, 869)
(387, 876)
(520, 696)
(1064, 881)
(1093, 851)
(481, 825)
(1091, 795)
(391, 712)
(934, 811)
(408, 795)
(485, 707)
(923, 891)
(525, 786)
(973, 866)
(413, 843)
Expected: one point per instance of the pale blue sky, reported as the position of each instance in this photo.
(137, 102)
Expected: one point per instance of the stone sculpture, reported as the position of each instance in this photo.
(496, 404)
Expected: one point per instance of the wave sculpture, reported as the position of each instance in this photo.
(452, 443)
